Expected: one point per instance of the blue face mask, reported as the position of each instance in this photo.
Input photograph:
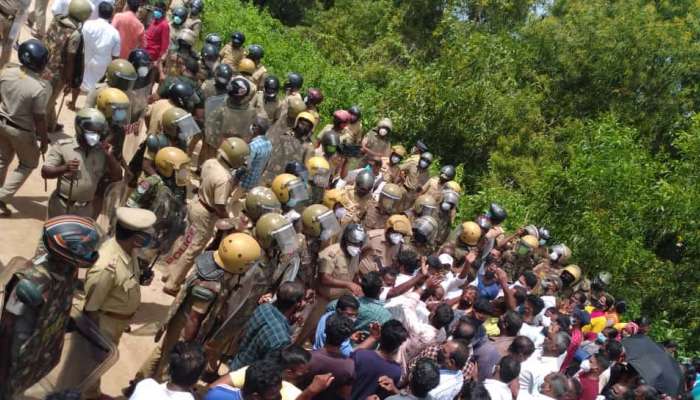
(157, 14)
(119, 115)
(177, 20)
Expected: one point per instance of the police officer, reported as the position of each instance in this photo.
(9, 10)
(120, 74)
(496, 214)
(354, 128)
(414, 176)
(80, 163)
(266, 101)
(180, 93)
(293, 145)
(519, 258)
(436, 184)
(288, 114)
(256, 53)
(319, 228)
(164, 194)
(24, 97)
(143, 87)
(314, 97)
(359, 196)
(424, 233)
(215, 40)
(469, 234)
(218, 83)
(384, 244)
(338, 267)
(291, 191)
(233, 52)
(63, 40)
(208, 60)
(199, 308)
(292, 86)
(194, 21)
(557, 258)
(447, 209)
(246, 68)
(234, 118)
(178, 125)
(40, 297)
(112, 285)
(319, 176)
(341, 119)
(178, 16)
(182, 56)
(212, 197)
(389, 202)
(376, 145)
(390, 170)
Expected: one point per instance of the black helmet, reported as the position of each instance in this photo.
(179, 15)
(238, 38)
(354, 234)
(181, 93)
(297, 169)
(422, 147)
(447, 172)
(214, 39)
(355, 113)
(330, 138)
(222, 74)
(497, 214)
(196, 7)
(255, 52)
(271, 86)
(364, 182)
(294, 81)
(33, 55)
(139, 58)
(238, 88)
(209, 52)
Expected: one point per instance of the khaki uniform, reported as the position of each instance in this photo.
(232, 56)
(214, 190)
(355, 205)
(375, 217)
(22, 94)
(253, 86)
(9, 10)
(112, 290)
(209, 89)
(38, 16)
(515, 264)
(269, 109)
(378, 253)
(390, 173)
(377, 144)
(63, 41)
(334, 262)
(194, 24)
(155, 114)
(352, 133)
(93, 167)
(433, 188)
(329, 128)
(413, 181)
(259, 76)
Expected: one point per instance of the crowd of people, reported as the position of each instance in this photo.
(304, 261)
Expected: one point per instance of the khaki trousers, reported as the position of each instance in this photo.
(23, 144)
(57, 206)
(112, 329)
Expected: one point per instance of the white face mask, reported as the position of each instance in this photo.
(91, 138)
(353, 251)
(395, 159)
(395, 238)
(142, 71)
(553, 256)
(423, 164)
(340, 212)
(383, 131)
(446, 206)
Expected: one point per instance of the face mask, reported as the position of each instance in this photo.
(395, 160)
(553, 256)
(585, 365)
(353, 251)
(446, 206)
(119, 115)
(422, 164)
(542, 242)
(91, 138)
(142, 71)
(340, 212)
(157, 14)
(383, 131)
(177, 20)
(395, 238)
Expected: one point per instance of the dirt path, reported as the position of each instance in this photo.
(19, 236)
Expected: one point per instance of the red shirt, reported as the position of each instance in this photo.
(157, 38)
(589, 386)
(130, 32)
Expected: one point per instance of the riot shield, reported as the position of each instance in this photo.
(172, 219)
(6, 274)
(214, 108)
(237, 121)
(115, 196)
(86, 356)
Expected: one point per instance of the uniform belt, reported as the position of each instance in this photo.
(206, 206)
(73, 202)
(122, 317)
(12, 124)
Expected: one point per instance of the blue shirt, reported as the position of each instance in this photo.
(371, 310)
(260, 152)
(266, 330)
(224, 392)
(320, 338)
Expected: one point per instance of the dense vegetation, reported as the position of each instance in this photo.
(576, 114)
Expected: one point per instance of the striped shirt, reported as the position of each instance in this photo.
(260, 151)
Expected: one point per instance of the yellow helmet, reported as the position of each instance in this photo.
(114, 104)
(273, 229)
(307, 116)
(259, 201)
(454, 186)
(470, 233)
(320, 221)
(575, 271)
(170, 119)
(400, 223)
(171, 160)
(398, 150)
(296, 106)
(316, 163)
(530, 241)
(237, 253)
(234, 151)
(289, 189)
(390, 197)
(80, 10)
(246, 66)
(332, 197)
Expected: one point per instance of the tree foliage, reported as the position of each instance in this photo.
(576, 114)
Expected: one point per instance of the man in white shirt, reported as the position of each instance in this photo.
(504, 377)
(451, 359)
(186, 365)
(535, 368)
(102, 45)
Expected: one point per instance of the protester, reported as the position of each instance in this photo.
(102, 45)
(185, 366)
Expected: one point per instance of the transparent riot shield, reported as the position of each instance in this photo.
(213, 115)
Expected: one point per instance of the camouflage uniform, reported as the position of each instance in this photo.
(64, 41)
(269, 109)
(444, 220)
(38, 331)
(209, 89)
(285, 148)
(352, 133)
(515, 264)
(233, 121)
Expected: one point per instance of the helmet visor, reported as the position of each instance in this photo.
(286, 239)
(120, 114)
(182, 175)
(329, 225)
(321, 177)
(428, 210)
(424, 229)
(298, 193)
(123, 82)
(187, 127)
